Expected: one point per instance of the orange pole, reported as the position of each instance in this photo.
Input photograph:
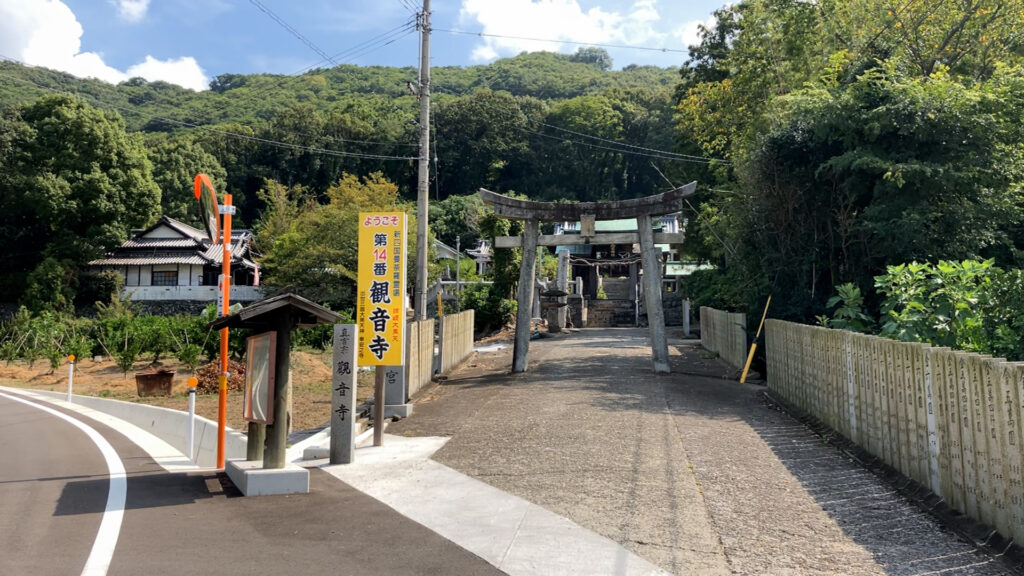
(222, 381)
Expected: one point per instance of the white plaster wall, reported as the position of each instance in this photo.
(163, 232)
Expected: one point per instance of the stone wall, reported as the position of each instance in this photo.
(610, 313)
(172, 307)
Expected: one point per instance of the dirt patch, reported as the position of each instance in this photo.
(311, 386)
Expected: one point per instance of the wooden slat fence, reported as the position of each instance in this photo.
(419, 361)
(949, 420)
(724, 333)
(455, 339)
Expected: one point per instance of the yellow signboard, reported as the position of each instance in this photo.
(380, 305)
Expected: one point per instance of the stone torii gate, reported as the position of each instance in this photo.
(532, 213)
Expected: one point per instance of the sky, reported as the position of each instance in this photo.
(189, 42)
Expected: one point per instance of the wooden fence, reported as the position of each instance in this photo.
(419, 361)
(455, 339)
(949, 420)
(724, 333)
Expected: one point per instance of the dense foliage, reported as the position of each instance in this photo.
(968, 305)
(855, 136)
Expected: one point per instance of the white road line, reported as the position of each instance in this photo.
(110, 526)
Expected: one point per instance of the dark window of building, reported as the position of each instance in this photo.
(165, 278)
(210, 275)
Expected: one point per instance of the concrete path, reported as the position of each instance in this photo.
(688, 470)
(520, 538)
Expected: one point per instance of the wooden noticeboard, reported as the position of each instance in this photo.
(259, 378)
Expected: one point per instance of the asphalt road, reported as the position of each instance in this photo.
(53, 490)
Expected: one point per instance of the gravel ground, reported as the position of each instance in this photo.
(691, 470)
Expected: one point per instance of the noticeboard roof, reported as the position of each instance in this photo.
(262, 313)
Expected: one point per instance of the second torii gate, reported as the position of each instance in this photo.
(532, 213)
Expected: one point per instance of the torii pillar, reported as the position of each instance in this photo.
(524, 296)
(532, 213)
(652, 293)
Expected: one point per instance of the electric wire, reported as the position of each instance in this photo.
(387, 34)
(312, 46)
(553, 41)
(621, 147)
(617, 143)
(352, 58)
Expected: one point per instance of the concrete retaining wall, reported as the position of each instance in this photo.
(171, 426)
(455, 338)
(949, 420)
(724, 333)
(419, 356)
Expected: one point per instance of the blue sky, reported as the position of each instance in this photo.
(188, 42)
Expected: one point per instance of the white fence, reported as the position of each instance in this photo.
(949, 420)
(724, 333)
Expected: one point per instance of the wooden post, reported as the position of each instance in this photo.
(343, 394)
(524, 297)
(256, 438)
(652, 292)
(378, 406)
(277, 433)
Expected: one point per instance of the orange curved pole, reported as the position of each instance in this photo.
(197, 188)
(222, 380)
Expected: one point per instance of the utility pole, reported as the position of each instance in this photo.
(423, 180)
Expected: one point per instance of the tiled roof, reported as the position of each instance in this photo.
(194, 248)
(148, 261)
(161, 243)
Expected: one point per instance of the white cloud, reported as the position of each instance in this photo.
(131, 10)
(184, 72)
(47, 33)
(689, 33)
(557, 20)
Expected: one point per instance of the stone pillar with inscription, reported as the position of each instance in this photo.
(396, 392)
(343, 395)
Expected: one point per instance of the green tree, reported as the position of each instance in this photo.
(82, 181)
(176, 162)
(318, 255)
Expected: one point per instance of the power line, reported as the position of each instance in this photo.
(617, 143)
(293, 31)
(619, 150)
(352, 58)
(408, 6)
(631, 148)
(407, 25)
(553, 41)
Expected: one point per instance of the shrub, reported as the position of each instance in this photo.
(1002, 313)
(491, 311)
(849, 314)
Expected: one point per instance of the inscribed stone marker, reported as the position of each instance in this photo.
(343, 394)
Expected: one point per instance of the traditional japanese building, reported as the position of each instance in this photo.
(171, 260)
(603, 265)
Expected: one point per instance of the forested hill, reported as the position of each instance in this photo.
(253, 97)
(508, 125)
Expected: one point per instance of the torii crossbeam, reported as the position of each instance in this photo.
(532, 213)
